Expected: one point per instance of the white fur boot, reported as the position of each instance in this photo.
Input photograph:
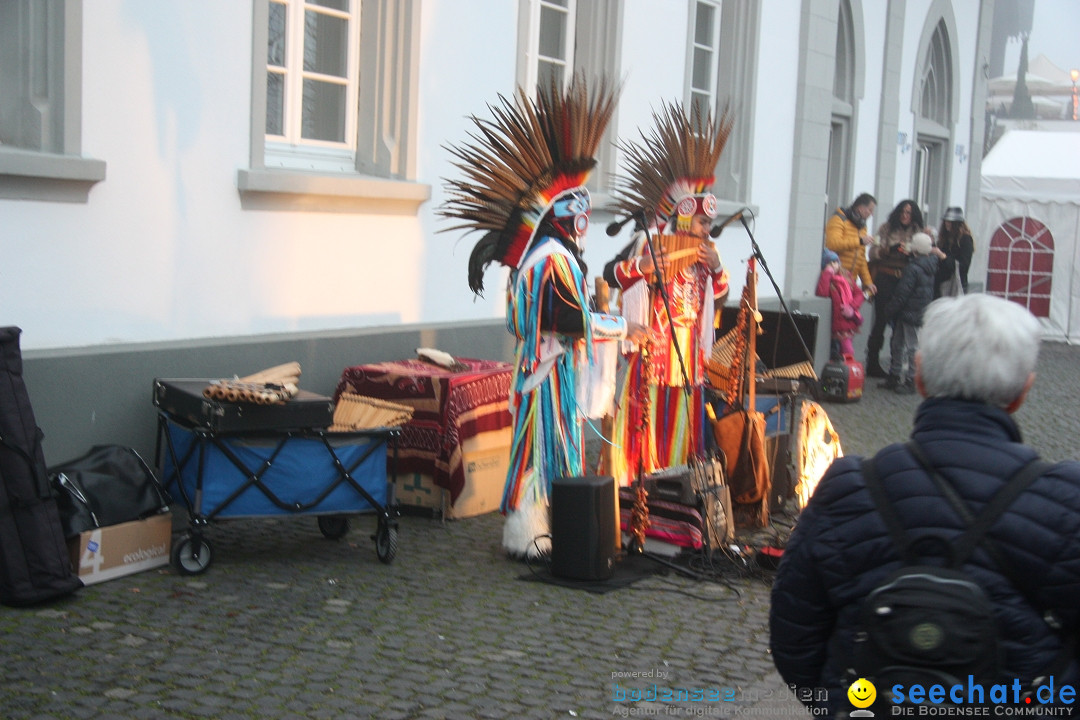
(524, 528)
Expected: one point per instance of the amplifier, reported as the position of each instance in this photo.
(583, 528)
(782, 337)
(710, 496)
(672, 485)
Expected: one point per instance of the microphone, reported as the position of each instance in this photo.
(615, 228)
(717, 229)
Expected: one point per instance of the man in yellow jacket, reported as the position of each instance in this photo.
(846, 235)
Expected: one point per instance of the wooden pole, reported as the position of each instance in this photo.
(751, 341)
(607, 423)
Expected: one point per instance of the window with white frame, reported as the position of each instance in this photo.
(549, 35)
(315, 64)
(838, 175)
(703, 48)
(41, 102)
(936, 83)
(312, 83)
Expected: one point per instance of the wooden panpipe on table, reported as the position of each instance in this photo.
(272, 386)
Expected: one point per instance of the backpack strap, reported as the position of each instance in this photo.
(978, 526)
(887, 511)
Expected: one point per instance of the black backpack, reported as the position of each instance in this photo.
(108, 485)
(930, 624)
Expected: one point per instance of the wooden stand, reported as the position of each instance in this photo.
(607, 424)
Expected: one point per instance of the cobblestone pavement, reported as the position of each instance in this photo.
(288, 624)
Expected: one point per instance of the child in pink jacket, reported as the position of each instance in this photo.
(836, 283)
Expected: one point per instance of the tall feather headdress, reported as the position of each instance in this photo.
(519, 162)
(672, 170)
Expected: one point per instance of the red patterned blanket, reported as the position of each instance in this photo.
(449, 407)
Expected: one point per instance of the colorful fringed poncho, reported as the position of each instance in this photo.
(548, 290)
(523, 186)
(675, 419)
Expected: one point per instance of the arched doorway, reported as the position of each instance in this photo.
(1021, 263)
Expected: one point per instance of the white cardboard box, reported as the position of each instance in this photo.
(110, 552)
(486, 458)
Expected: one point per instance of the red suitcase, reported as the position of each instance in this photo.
(842, 380)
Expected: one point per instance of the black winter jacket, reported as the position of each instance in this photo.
(914, 291)
(840, 549)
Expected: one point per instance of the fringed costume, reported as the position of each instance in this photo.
(525, 175)
(671, 172)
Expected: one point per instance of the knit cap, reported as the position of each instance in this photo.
(921, 244)
(828, 256)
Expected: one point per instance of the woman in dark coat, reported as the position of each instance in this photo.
(955, 240)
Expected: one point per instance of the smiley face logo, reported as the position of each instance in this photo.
(862, 693)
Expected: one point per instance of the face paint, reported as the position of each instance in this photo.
(692, 205)
(570, 213)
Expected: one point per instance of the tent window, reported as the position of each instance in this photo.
(1021, 263)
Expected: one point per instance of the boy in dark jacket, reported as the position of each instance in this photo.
(913, 293)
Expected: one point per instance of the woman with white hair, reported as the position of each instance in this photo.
(978, 348)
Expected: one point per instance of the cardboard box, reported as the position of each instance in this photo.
(486, 458)
(110, 552)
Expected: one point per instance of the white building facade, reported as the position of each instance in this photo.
(232, 170)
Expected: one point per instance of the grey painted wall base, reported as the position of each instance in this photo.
(104, 394)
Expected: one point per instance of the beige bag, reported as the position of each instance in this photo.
(952, 287)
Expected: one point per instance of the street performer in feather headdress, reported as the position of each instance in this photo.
(524, 187)
(673, 291)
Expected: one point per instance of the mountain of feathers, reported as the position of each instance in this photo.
(518, 161)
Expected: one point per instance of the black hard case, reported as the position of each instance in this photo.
(183, 400)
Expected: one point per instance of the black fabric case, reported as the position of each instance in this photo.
(183, 400)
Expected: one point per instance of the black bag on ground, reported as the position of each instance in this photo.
(929, 624)
(34, 562)
(110, 484)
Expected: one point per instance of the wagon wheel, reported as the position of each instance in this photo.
(191, 555)
(385, 541)
(334, 527)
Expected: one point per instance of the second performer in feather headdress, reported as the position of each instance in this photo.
(523, 186)
(669, 174)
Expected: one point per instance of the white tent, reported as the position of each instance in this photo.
(1028, 234)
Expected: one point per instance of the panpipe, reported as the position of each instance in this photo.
(250, 392)
(681, 249)
(271, 386)
(359, 412)
(725, 368)
(793, 372)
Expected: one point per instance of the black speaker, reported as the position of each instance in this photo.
(778, 344)
(583, 528)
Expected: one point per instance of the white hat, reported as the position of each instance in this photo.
(921, 244)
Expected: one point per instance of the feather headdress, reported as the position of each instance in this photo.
(672, 170)
(526, 156)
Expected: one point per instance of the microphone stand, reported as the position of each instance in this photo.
(662, 289)
(765, 266)
(687, 389)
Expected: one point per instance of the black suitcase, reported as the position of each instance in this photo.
(35, 565)
(183, 400)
